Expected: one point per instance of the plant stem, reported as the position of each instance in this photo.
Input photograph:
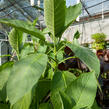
(67, 59)
(18, 57)
(54, 46)
(60, 49)
(55, 52)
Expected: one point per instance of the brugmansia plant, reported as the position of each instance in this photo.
(33, 80)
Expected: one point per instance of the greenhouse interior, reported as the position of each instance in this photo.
(54, 54)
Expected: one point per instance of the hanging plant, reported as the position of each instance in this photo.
(99, 41)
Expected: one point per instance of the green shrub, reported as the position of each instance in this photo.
(99, 37)
(99, 42)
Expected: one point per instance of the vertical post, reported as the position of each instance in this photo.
(78, 1)
(32, 2)
(102, 10)
(38, 3)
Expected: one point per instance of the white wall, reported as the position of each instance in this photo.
(88, 28)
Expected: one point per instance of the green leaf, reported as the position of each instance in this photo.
(60, 55)
(56, 86)
(56, 100)
(45, 106)
(4, 106)
(26, 50)
(76, 35)
(67, 102)
(4, 73)
(61, 80)
(50, 73)
(58, 82)
(42, 48)
(43, 89)
(3, 94)
(15, 39)
(61, 101)
(23, 103)
(25, 38)
(45, 31)
(95, 106)
(72, 13)
(86, 56)
(83, 90)
(8, 55)
(69, 77)
(24, 27)
(25, 75)
(35, 21)
(54, 12)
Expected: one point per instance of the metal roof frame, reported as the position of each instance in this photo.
(23, 10)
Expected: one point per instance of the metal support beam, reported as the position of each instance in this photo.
(7, 7)
(22, 12)
(97, 4)
(85, 8)
(97, 16)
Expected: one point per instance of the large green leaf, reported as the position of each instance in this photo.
(58, 17)
(83, 90)
(67, 101)
(4, 73)
(86, 56)
(54, 11)
(60, 55)
(61, 80)
(15, 39)
(76, 35)
(68, 77)
(43, 89)
(61, 101)
(26, 50)
(24, 27)
(56, 100)
(23, 103)
(72, 13)
(45, 106)
(4, 106)
(3, 94)
(95, 106)
(59, 84)
(25, 75)
(41, 48)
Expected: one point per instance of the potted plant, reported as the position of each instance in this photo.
(33, 81)
(99, 41)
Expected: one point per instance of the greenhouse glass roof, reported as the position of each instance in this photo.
(92, 7)
(21, 9)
